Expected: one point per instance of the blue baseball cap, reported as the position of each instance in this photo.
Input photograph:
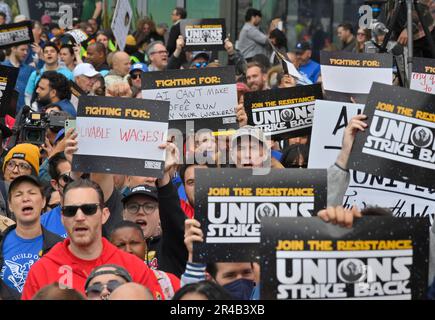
(139, 66)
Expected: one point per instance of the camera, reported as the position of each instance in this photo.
(34, 126)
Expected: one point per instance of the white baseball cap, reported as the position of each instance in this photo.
(85, 69)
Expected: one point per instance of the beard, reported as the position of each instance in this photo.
(44, 101)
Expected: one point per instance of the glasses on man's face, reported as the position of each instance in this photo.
(148, 208)
(136, 76)
(200, 65)
(159, 52)
(88, 209)
(21, 166)
(95, 290)
(65, 178)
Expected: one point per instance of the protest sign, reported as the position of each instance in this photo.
(229, 204)
(288, 67)
(379, 258)
(400, 141)
(330, 120)
(423, 75)
(203, 34)
(8, 79)
(283, 113)
(15, 34)
(347, 75)
(121, 136)
(403, 199)
(207, 97)
(76, 93)
(38, 8)
(122, 17)
(365, 190)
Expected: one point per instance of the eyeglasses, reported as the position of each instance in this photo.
(21, 166)
(160, 52)
(135, 76)
(200, 65)
(66, 178)
(360, 34)
(148, 208)
(96, 289)
(88, 209)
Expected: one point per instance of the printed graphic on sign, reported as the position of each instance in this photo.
(423, 75)
(55, 9)
(15, 34)
(230, 210)
(203, 34)
(207, 97)
(347, 75)
(378, 258)
(399, 143)
(283, 113)
(121, 136)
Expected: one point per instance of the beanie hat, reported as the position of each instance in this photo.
(24, 151)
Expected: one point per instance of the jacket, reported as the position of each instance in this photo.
(252, 41)
(60, 265)
(67, 106)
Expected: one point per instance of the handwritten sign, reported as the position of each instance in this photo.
(423, 75)
(208, 97)
(121, 136)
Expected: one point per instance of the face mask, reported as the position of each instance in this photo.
(240, 289)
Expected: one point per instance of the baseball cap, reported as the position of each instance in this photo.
(201, 54)
(249, 131)
(301, 47)
(85, 69)
(27, 178)
(139, 66)
(143, 190)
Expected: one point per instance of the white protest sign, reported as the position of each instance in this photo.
(423, 75)
(330, 120)
(122, 17)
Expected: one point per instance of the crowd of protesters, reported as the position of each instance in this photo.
(74, 235)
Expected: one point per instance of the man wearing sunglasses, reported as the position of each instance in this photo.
(70, 262)
(26, 241)
(104, 280)
(136, 74)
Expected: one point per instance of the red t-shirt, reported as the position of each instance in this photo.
(60, 265)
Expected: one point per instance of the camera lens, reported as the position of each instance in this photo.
(34, 136)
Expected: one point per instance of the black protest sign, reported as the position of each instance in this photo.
(207, 97)
(229, 204)
(423, 75)
(378, 258)
(76, 93)
(38, 8)
(347, 75)
(16, 34)
(203, 34)
(400, 141)
(8, 79)
(283, 113)
(121, 136)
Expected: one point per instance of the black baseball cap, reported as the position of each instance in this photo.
(143, 190)
(27, 178)
(301, 47)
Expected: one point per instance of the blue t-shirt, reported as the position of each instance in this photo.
(19, 255)
(35, 76)
(52, 221)
(311, 70)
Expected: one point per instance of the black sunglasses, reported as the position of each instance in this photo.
(135, 76)
(88, 209)
(66, 178)
(97, 288)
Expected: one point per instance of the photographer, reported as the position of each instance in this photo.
(54, 89)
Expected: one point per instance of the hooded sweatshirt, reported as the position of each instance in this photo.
(55, 266)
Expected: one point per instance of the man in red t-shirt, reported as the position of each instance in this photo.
(69, 263)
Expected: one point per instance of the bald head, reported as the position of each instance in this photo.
(131, 291)
(121, 63)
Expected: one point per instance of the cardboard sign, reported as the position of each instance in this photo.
(423, 75)
(207, 97)
(379, 258)
(121, 136)
(122, 17)
(347, 75)
(76, 93)
(203, 34)
(15, 34)
(37, 8)
(230, 209)
(403, 199)
(283, 113)
(330, 120)
(400, 141)
(8, 79)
